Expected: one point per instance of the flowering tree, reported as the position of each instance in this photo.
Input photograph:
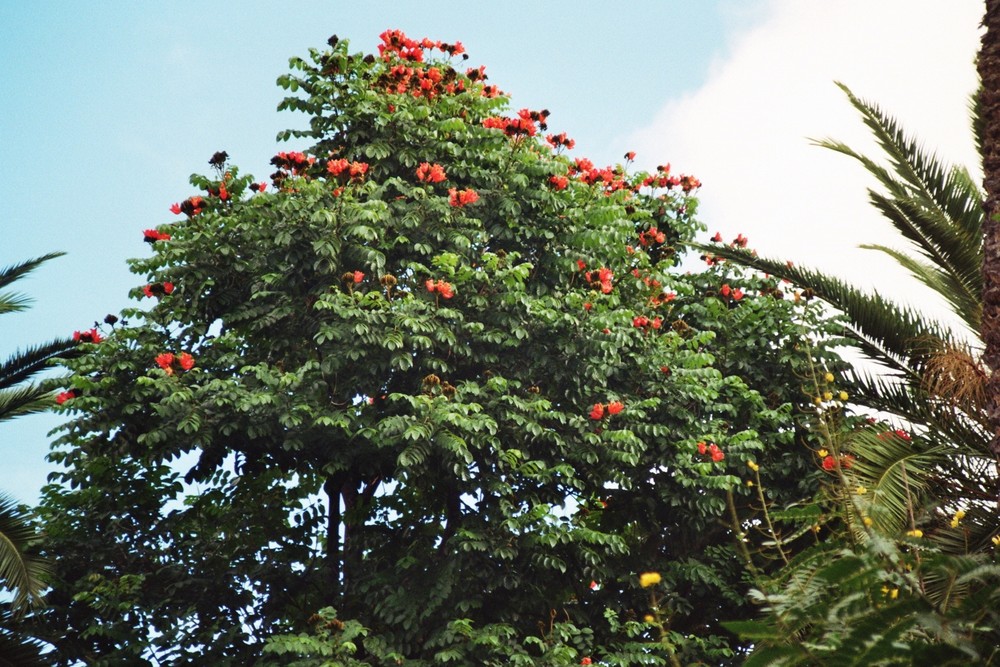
(436, 375)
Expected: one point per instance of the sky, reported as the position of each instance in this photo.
(109, 107)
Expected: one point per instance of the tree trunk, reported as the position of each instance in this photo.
(334, 551)
(989, 100)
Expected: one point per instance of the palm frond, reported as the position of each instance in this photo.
(11, 301)
(20, 572)
(24, 365)
(888, 333)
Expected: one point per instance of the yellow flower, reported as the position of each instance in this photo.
(861, 491)
(648, 618)
(885, 589)
(827, 395)
(867, 521)
(822, 453)
(647, 579)
(749, 482)
(960, 514)
(996, 540)
(894, 593)
(843, 395)
(915, 533)
(954, 523)
(817, 400)
(753, 466)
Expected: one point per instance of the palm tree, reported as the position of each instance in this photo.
(21, 573)
(930, 376)
(989, 102)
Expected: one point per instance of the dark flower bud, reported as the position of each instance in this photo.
(369, 59)
(110, 319)
(333, 41)
(219, 159)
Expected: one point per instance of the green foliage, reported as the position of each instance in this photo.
(440, 402)
(907, 571)
(22, 572)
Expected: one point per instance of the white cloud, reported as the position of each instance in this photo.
(744, 133)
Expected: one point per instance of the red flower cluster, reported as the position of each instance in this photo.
(158, 289)
(643, 322)
(355, 171)
(441, 287)
(190, 207)
(560, 140)
(611, 179)
(357, 277)
(663, 179)
(462, 197)
(613, 408)
(396, 42)
(630, 156)
(728, 292)
(602, 280)
(295, 162)
(168, 361)
(559, 182)
(899, 433)
(522, 125)
(430, 173)
(152, 236)
(586, 661)
(421, 81)
(88, 336)
(258, 187)
(711, 450)
(830, 463)
(64, 396)
(650, 236)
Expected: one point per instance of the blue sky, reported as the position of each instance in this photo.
(108, 107)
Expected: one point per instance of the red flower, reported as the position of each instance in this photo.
(358, 276)
(88, 336)
(158, 289)
(716, 453)
(846, 461)
(630, 156)
(725, 290)
(829, 463)
(175, 208)
(588, 306)
(737, 294)
(702, 448)
(165, 360)
(559, 182)
(462, 197)
(597, 411)
(740, 241)
(186, 361)
(580, 264)
(639, 321)
(64, 396)
(614, 407)
(152, 236)
(431, 173)
(441, 287)
(586, 661)
(718, 237)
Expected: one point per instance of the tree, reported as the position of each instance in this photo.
(437, 376)
(989, 103)
(910, 577)
(21, 571)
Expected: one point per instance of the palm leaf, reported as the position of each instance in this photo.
(19, 572)
(12, 302)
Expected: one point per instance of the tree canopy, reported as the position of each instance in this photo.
(435, 375)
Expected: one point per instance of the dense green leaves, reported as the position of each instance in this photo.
(440, 404)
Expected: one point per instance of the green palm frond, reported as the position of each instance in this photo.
(889, 334)
(897, 471)
(10, 301)
(23, 366)
(19, 572)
